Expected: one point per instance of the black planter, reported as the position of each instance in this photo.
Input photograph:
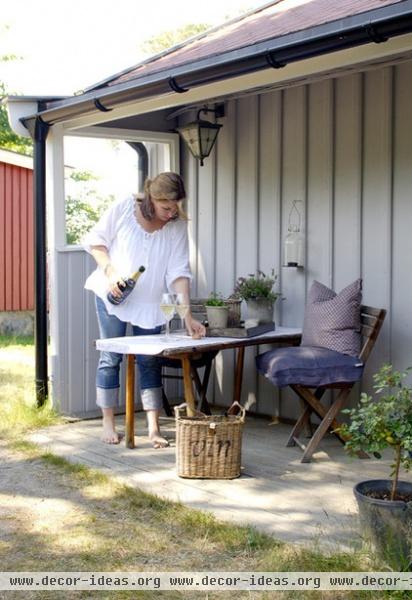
(388, 524)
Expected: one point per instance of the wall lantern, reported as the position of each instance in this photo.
(200, 135)
(294, 241)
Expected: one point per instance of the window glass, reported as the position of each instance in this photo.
(97, 171)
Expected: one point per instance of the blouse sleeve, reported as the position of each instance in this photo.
(104, 231)
(178, 264)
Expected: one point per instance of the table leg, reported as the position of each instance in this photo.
(237, 391)
(188, 385)
(201, 387)
(130, 401)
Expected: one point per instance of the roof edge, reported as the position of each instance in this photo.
(286, 37)
(371, 26)
(194, 38)
(16, 158)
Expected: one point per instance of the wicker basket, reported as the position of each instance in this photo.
(209, 447)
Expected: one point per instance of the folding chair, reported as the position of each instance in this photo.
(310, 371)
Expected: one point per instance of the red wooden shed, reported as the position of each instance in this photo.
(16, 232)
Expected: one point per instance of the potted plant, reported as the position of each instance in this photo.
(217, 311)
(257, 291)
(385, 505)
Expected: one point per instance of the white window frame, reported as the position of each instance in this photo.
(55, 159)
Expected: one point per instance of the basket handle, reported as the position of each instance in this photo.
(185, 405)
(242, 409)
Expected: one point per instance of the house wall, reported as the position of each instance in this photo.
(343, 147)
(16, 238)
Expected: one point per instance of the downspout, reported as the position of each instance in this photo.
(39, 133)
(143, 164)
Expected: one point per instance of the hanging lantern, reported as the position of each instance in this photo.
(294, 244)
(200, 135)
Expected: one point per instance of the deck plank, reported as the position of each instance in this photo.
(276, 493)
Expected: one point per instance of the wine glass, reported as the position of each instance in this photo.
(182, 308)
(167, 306)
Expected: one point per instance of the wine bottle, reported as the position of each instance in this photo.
(126, 287)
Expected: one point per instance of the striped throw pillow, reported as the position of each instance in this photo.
(333, 320)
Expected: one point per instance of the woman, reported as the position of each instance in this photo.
(151, 232)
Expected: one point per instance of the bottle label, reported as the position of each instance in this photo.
(127, 287)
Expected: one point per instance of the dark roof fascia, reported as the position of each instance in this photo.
(370, 26)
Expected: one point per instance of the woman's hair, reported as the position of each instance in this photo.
(165, 186)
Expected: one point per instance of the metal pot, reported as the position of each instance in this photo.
(387, 523)
(217, 316)
(260, 310)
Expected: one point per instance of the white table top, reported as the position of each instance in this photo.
(157, 344)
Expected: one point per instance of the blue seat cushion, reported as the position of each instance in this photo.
(311, 366)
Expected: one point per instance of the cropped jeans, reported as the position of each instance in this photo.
(107, 375)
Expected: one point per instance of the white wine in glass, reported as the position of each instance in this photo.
(182, 308)
(167, 306)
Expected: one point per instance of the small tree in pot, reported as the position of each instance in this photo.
(385, 506)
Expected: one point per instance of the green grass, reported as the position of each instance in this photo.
(110, 526)
(18, 409)
(16, 340)
(97, 523)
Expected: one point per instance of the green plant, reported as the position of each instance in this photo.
(215, 299)
(84, 206)
(257, 285)
(383, 422)
(18, 408)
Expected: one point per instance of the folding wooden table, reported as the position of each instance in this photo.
(183, 348)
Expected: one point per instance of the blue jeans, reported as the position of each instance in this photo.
(107, 375)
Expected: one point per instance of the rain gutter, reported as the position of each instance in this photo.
(374, 26)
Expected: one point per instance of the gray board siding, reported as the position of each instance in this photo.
(343, 147)
(75, 359)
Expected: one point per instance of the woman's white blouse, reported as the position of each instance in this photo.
(164, 254)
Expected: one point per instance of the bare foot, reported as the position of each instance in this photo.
(157, 440)
(109, 435)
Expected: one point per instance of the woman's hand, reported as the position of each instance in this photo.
(195, 328)
(114, 278)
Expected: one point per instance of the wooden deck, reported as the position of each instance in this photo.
(276, 493)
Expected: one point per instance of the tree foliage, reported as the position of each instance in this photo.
(8, 139)
(167, 39)
(84, 206)
(384, 421)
